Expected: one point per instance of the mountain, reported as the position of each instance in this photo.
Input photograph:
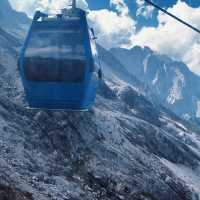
(115, 72)
(126, 147)
(171, 81)
(15, 22)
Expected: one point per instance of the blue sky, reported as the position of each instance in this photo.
(102, 4)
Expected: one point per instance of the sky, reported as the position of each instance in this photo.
(126, 23)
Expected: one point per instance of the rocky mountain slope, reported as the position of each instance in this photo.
(171, 81)
(127, 147)
(107, 153)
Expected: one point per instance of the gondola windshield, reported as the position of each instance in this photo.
(55, 54)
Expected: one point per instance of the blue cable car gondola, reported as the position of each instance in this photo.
(58, 63)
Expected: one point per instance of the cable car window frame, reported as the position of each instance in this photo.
(74, 63)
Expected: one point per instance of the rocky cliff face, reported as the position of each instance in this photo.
(171, 81)
(126, 147)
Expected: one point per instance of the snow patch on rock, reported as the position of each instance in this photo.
(145, 63)
(155, 79)
(175, 93)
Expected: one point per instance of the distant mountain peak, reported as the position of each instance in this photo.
(10, 18)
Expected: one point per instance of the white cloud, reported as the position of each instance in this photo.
(120, 6)
(113, 30)
(192, 57)
(173, 38)
(140, 2)
(52, 6)
(144, 10)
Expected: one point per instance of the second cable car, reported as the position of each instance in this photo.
(58, 63)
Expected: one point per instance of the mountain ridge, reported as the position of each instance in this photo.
(172, 81)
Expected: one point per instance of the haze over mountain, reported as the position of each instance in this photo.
(127, 147)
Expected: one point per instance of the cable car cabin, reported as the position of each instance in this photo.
(59, 63)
